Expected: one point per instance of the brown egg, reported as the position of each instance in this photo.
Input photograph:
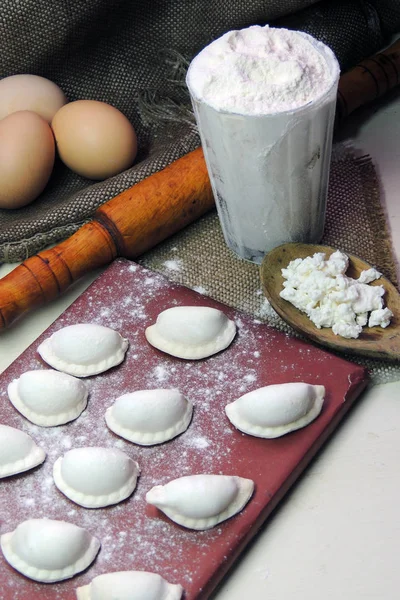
(30, 92)
(27, 152)
(94, 139)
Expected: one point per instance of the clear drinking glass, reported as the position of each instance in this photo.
(269, 172)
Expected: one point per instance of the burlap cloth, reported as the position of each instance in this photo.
(133, 55)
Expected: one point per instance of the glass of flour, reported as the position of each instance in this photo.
(264, 100)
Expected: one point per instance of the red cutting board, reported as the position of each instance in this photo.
(133, 535)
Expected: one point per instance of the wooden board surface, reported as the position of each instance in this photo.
(133, 535)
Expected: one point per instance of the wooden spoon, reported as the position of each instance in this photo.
(376, 342)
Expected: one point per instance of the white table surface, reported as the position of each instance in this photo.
(336, 536)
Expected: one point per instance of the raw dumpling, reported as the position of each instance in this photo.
(48, 550)
(129, 585)
(275, 410)
(149, 417)
(201, 501)
(48, 397)
(84, 349)
(95, 477)
(18, 451)
(191, 332)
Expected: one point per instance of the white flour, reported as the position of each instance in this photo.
(260, 70)
(264, 101)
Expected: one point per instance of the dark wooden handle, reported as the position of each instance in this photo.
(367, 81)
(128, 225)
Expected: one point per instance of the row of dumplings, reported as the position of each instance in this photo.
(188, 332)
(49, 398)
(146, 417)
(49, 550)
(95, 477)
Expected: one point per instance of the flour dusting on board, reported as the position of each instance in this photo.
(133, 534)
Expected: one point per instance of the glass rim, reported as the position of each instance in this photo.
(331, 61)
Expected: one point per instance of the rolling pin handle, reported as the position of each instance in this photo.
(367, 81)
(43, 277)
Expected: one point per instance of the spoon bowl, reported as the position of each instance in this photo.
(375, 342)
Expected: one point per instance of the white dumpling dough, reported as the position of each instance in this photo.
(18, 451)
(84, 349)
(149, 417)
(94, 477)
(48, 550)
(201, 501)
(191, 332)
(275, 410)
(48, 398)
(129, 585)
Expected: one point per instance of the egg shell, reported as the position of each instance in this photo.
(26, 158)
(30, 92)
(94, 139)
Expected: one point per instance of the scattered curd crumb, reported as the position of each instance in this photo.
(369, 275)
(380, 317)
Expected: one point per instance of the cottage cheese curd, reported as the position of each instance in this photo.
(320, 288)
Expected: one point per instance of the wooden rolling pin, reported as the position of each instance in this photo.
(157, 207)
(367, 81)
(127, 225)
